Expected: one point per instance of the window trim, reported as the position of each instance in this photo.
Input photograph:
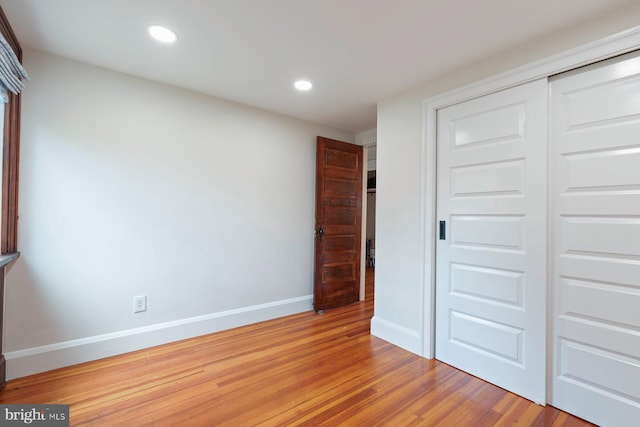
(10, 155)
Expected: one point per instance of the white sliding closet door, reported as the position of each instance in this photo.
(595, 205)
(491, 267)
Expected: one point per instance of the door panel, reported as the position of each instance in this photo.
(487, 231)
(339, 171)
(595, 200)
(494, 179)
(491, 269)
(492, 284)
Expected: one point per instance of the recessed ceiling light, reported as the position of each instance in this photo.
(303, 85)
(162, 34)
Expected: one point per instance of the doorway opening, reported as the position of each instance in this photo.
(371, 217)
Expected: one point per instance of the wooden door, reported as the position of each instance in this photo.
(491, 256)
(338, 230)
(595, 200)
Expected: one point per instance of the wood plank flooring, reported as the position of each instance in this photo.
(302, 370)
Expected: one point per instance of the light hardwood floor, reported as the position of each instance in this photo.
(306, 369)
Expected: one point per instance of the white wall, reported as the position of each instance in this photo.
(400, 261)
(130, 187)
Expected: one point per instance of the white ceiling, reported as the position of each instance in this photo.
(356, 52)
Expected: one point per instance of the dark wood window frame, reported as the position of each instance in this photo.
(10, 169)
(10, 155)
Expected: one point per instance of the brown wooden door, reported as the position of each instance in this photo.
(338, 224)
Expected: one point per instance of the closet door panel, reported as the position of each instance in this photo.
(491, 264)
(595, 260)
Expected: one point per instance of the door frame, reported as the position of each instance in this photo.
(605, 48)
(366, 139)
(363, 231)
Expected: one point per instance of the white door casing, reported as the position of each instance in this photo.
(595, 260)
(491, 268)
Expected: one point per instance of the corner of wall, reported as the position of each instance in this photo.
(405, 338)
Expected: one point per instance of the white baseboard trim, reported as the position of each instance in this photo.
(30, 361)
(397, 335)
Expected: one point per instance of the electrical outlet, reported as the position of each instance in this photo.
(139, 303)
